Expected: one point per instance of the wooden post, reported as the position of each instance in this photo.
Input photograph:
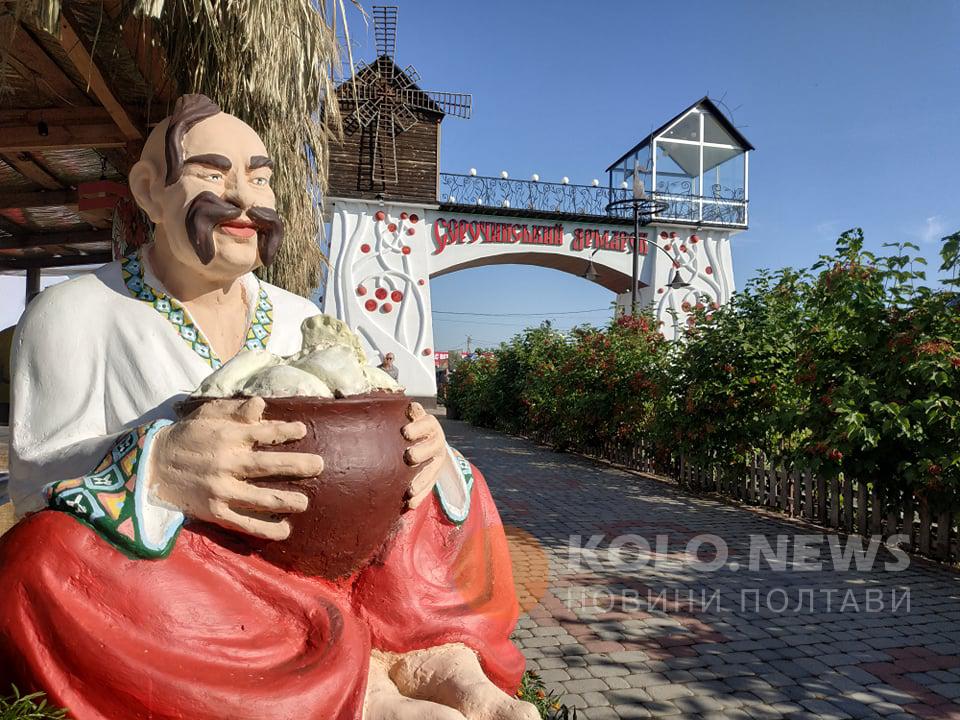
(834, 501)
(795, 482)
(908, 528)
(757, 477)
(876, 510)
(893, 513)
(784, 490)
(822, 498)
(923, 539)
(771, 484)
(33, 285)
(758, 481)
(861, 507)
(847, 504)
(944, 521)
(808, 509)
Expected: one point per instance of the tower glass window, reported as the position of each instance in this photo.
(697, 163)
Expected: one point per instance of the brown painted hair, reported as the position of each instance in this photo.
(188, 111)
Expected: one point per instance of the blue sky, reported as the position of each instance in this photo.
(853, 108)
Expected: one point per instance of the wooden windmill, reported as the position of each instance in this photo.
(391, 125)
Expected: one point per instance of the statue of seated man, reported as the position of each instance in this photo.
(128, 588)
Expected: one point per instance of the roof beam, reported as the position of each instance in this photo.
(81, 55)
(89, 115)
(139, 38)
(41, 199)
(33, 63)
(26, 138)
(96, 257)
(28, 166)
(41, 240)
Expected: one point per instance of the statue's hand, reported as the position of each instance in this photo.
(429, 451)
(201, 463)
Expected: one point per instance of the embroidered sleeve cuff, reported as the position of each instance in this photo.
(114, 501)
(453, 488)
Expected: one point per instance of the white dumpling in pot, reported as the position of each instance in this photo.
(322, 331)
(230, 378)
(286, 381)
(336, 366)
(377, 379)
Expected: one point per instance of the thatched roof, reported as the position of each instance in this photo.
(96, 75)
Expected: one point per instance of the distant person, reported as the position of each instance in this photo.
(388, 367)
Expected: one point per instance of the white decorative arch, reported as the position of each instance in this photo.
(383, 255)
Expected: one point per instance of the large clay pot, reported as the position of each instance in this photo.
(358, 499)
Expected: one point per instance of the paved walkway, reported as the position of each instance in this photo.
(671, 639)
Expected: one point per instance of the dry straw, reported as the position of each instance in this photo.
(270, 62)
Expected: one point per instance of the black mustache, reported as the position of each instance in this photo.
(207, 210)
(269, 232)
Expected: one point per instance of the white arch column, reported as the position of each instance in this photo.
(379, 284)
(702, 258)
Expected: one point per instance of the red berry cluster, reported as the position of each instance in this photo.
(381, 294)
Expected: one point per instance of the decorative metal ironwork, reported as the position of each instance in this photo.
(726, 206)
(561, 198)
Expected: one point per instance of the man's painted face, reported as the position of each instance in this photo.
(221, 208)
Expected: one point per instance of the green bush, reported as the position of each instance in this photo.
(852, 366)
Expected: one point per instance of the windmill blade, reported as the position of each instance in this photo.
(385, 29)
(360, 91)
(384, 151)
(367, 112)
(403, 119)
(456, 104)
(408, 77)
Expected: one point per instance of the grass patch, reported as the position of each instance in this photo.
(28, 707)
(532, 690)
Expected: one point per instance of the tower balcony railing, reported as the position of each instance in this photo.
(499, 195)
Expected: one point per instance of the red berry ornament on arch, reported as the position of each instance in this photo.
(389, 282)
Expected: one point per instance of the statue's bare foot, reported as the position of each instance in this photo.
(383, 700)
(451, 675)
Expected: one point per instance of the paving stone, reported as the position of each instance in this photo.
(736, 662)
(616, 683)
(599, 713)
(605, 671)
(581, 686)
(628, 696)
(669, 692)
(595, 699)
(557, 675)
(948, 690)
(698, 704)
(657, 708)
(824, 709)
(727, 715)
(858, 675)
(628, 712)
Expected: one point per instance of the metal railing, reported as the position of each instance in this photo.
(499, 192)
(724, 207)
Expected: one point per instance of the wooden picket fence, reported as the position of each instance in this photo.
(847, 505)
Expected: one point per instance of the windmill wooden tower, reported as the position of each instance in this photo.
(391, 145)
